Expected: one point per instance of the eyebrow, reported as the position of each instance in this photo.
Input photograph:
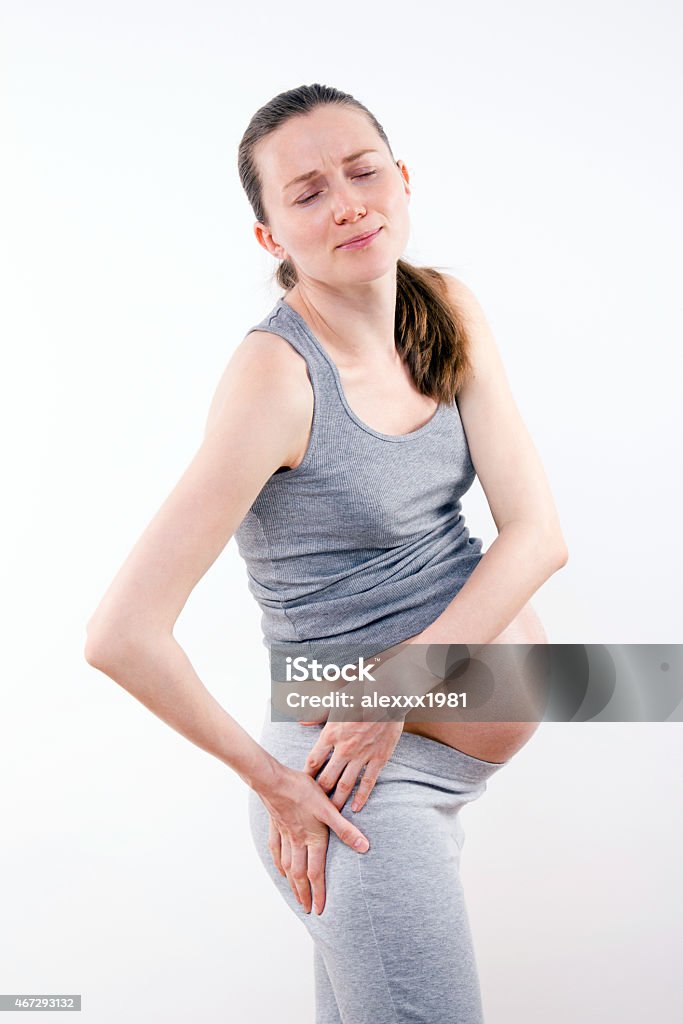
(311, 174)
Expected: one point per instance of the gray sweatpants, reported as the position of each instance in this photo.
(393, 943)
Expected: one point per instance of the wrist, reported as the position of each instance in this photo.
(269, 779)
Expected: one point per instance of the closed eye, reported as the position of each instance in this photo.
(306, 201)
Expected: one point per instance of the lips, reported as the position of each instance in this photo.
(359, 238)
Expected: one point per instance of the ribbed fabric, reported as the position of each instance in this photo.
(393, 944)
(363, 542)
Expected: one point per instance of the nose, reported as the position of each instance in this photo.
(346, 207)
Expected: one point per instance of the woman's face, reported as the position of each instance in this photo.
(311, 218)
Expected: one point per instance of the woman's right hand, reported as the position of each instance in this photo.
(301, 815)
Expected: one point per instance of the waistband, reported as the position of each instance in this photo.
(418, 752)
(428, 755)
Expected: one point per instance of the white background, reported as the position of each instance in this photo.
(544, 148)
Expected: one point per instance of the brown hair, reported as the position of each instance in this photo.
(429, 330)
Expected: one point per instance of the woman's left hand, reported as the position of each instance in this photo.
(354, 745)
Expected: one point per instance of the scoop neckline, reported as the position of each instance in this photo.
(414, 434)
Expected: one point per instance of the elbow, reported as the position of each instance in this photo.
(113, 645)
(550, 543)
(561, 559)
(105, 646)
(94, 656)
(550, 546)
(98, 648)
(558, 553)
(545, 543)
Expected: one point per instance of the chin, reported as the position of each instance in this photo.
(372, 270)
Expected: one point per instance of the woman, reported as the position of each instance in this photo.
(336, 453)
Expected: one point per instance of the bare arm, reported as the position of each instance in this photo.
(254, 424)
(528, 550)
(530, 546)
(257, 420)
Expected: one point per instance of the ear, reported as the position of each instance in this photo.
(267, 242)
(405, 175)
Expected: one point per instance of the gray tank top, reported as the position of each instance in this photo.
(364, 541)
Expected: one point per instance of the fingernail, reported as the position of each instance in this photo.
(355, 806)
(361, 844)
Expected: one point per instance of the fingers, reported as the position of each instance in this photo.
(303, 864)
(316, 873)
(343, 777)
(320, 751)
(346, 783)
(291, 860)
(306, 875)
(366, 785)
(348, 833)
(275, 845)
(298, 876)
(287, 865)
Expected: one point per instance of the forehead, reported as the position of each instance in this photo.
(313, 141)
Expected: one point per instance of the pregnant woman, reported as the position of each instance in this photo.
(348, 424)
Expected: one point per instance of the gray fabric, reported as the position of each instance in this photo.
(364, 541)
(393, 943)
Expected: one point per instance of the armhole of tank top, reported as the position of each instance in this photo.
(312, 440)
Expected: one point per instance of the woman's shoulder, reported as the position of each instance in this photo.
(462, 296)
(273, 375)
(269, 350)
(270, 359)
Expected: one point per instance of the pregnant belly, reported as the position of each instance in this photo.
(494, 741)
(498, 741)
(489, 741)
